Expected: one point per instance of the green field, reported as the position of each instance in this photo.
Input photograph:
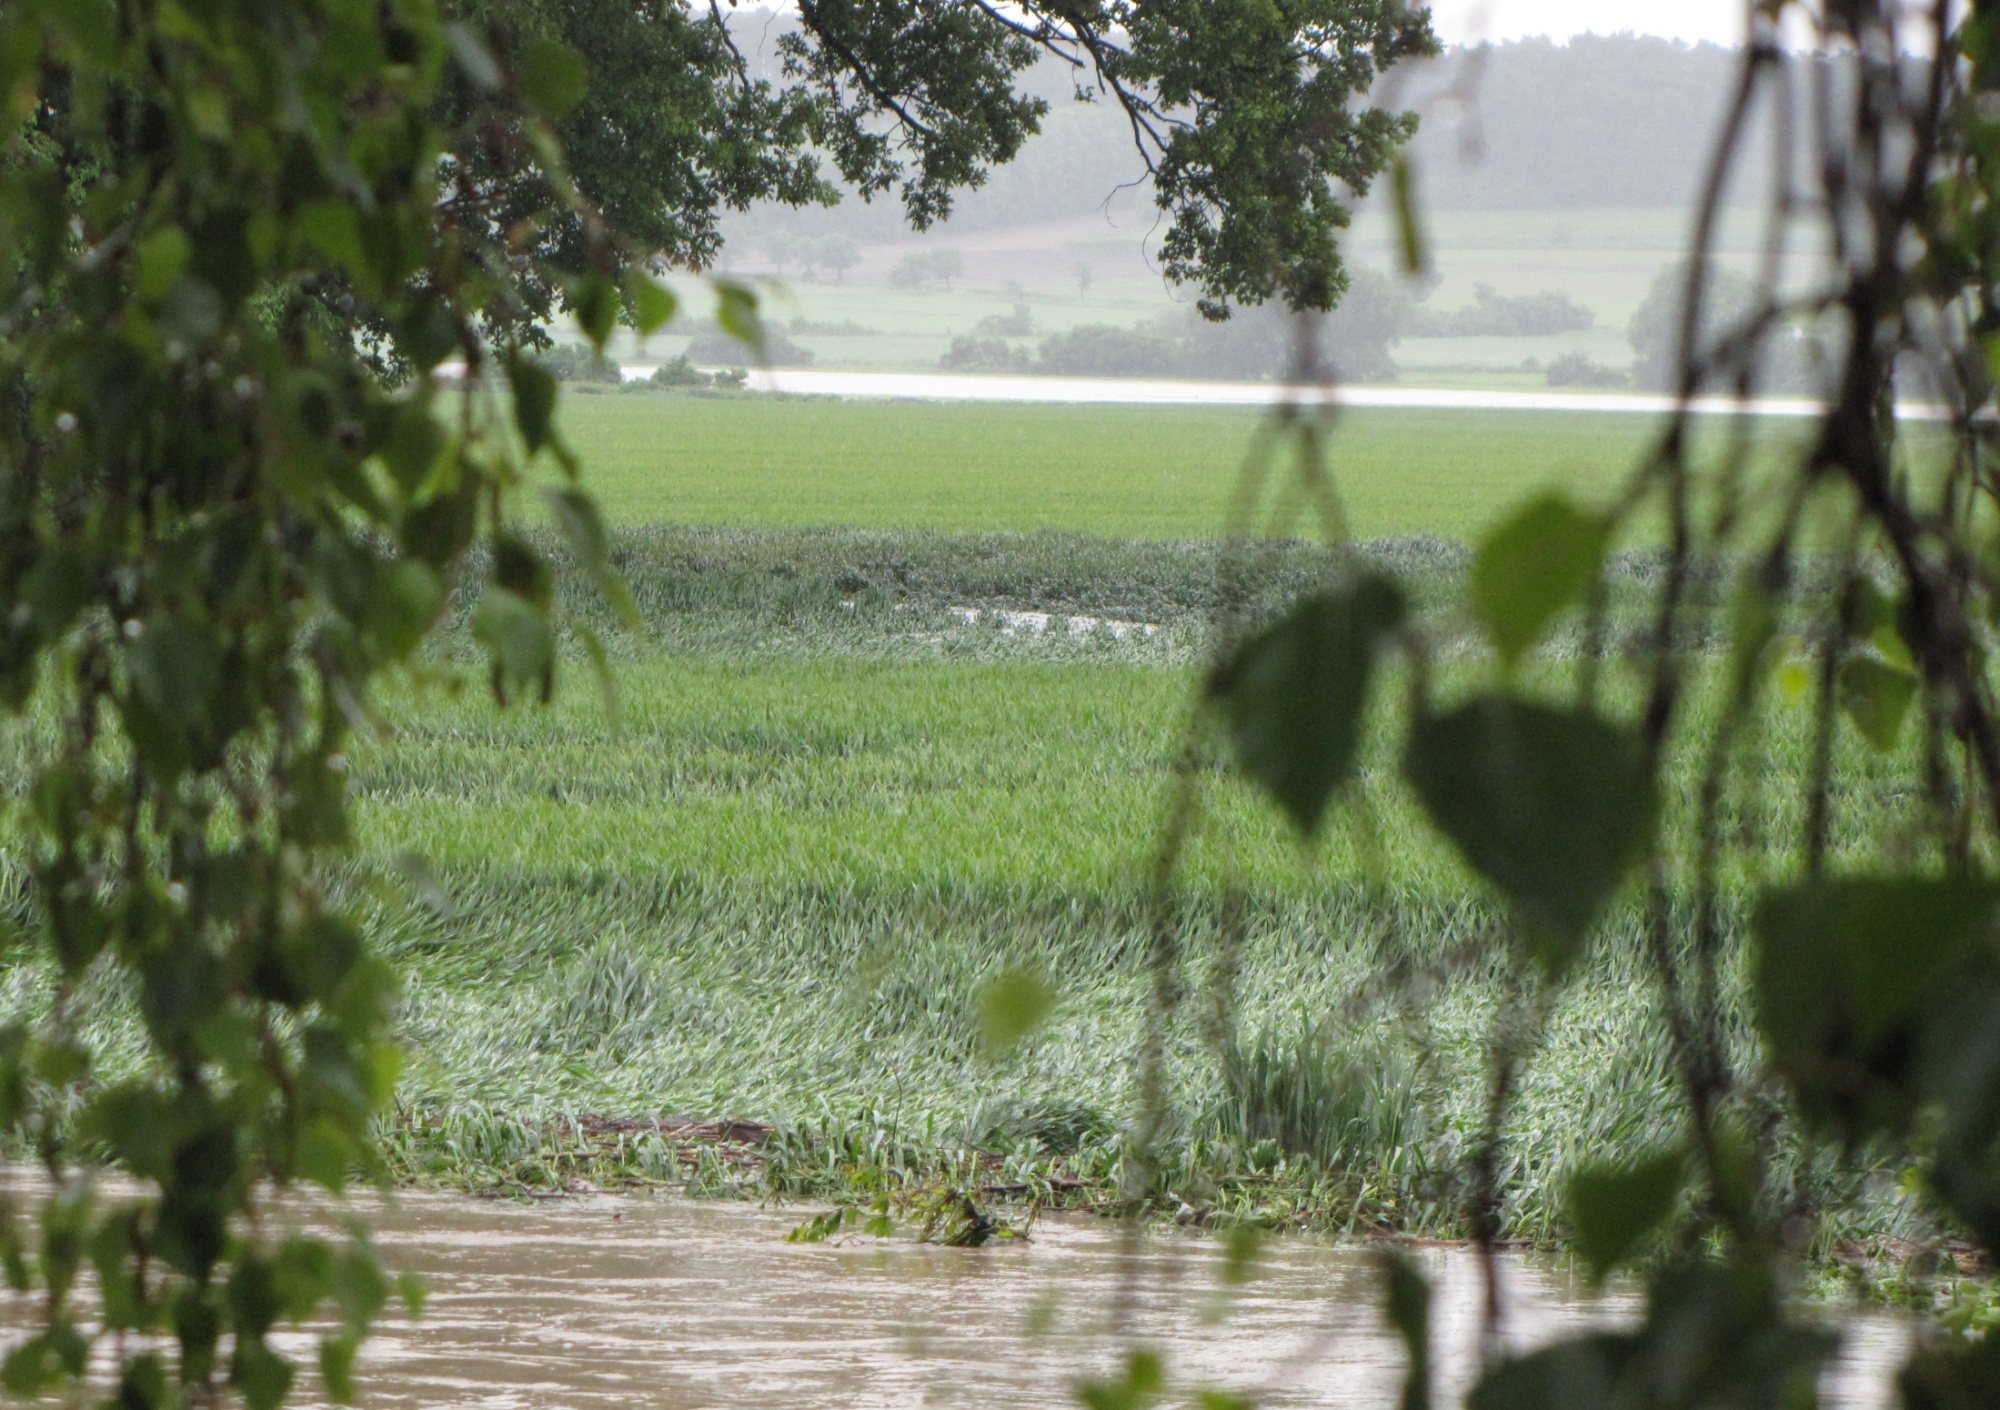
(831, 809)
(1109, 471)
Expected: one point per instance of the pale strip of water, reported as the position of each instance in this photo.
(937, 386)
(639, 1302)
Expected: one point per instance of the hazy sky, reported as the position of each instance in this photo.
(1459, 21)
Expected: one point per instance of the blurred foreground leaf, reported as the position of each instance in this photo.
(1538, 561)
(1614, 1208)
(1876, 697)
(1551, 805)
(1847, 972)
(1295, 693)
(1012, 1004)
(1406, 1298)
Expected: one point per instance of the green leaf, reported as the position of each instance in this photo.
(607, 679)
(136, 1122)
(1582, 1374)
(415, 444)
(1295, 694)
(593, 301)
(1846, 972)
(91, 25)
(576, 512)
(516, 636)
(1406, 1298)
(1614, 1208)
(1142, 1383)
(336, 1366)
(1551, 805)
(163, 255)
(332, 228)
(1012, 1004)
(534, 400)
(1876, 697)
(261, 1375)
(1409, 223)
(552, 76)
(143, 1384)
(736, 315)
(176, 668)
(653, 303)
(1535, 563)
(404, 601)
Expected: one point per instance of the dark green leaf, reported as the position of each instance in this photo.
(1538, 561)
(260, 1373)
(736, 315)
(1012, 1004)
(1571, 1375)
(1295, 694)
(1615, 1207)
(534, 400)
(1409, 222)
(576, 512)
(516, 635)
(1406, 1298)
(136, 1122)
(91, 25)
(1876, 697)
(404, 600)
(414, 445)
(1844, 973)
(1551, 805)
(593, 300)
(607, 679)
(177, 668)
(552, 76)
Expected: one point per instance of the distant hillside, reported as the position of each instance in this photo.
(1618, 121)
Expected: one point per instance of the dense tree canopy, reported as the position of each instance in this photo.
(1249, 120)
(271, 272)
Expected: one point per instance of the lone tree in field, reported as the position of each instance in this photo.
(246, 239)
(839, 254)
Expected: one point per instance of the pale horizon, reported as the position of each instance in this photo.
(1474, 21)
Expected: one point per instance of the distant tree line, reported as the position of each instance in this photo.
(1257, 344)
(1492, 314)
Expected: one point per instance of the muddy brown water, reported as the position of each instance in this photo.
(637, 1302)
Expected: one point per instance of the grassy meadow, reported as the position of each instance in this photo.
(847, 783)
(840, 793)
(1112, 472)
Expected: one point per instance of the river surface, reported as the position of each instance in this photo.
(639, 1303)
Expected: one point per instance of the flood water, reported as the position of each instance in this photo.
(1138, 390)
(636, 1302)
